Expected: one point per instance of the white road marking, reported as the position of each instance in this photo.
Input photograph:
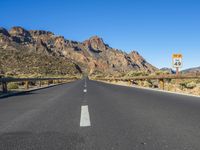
(85, 83)
(85, 90)
(85, 117)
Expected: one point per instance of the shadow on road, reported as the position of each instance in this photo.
(44, 140)
(11, 94)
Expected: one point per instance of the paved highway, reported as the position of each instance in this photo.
(90, 115)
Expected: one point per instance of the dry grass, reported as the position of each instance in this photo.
(192, 87)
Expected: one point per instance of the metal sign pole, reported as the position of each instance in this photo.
(177, 63)
(177, 71)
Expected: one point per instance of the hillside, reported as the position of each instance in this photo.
(168, 70)
(192, 70)
(42, 52)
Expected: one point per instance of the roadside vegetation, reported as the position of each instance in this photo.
(189, 86)
(12, 86)
(29, 64)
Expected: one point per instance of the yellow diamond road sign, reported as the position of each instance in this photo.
(177, 60)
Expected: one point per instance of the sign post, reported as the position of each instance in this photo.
(177, 62)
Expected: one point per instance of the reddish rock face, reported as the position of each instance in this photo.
(95, 44)
(91, 55)
(141, 62)
(19, 31)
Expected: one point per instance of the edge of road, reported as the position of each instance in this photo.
(151, 89)
(30, 90)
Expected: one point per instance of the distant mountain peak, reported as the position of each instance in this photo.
(192, 70)
(20, 35)
(134, 52)
(97, 39)
(4, 31)
(17, 30)
(169, 70)
(95, 44)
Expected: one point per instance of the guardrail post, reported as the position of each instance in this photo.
(161, 84)
(4, 87)
(64, 81)
(141, 82)
(26, 85)
(48, 82)
(134, 82)
(54, 81)
(129, 82)
(40, 83)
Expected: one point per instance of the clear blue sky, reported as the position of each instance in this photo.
(155, 28)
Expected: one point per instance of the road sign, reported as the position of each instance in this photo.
(177, 60)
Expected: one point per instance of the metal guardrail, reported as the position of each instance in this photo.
(161, 78)
(152, 77)
(5, 81)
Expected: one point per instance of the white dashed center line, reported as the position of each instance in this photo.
(85, 117)
(85, 83)
(85, 90)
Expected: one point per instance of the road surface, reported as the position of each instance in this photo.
(90, 115)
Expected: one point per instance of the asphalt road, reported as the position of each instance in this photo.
(101, 117)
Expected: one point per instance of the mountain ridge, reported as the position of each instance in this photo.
(91, 55)
(192, 70)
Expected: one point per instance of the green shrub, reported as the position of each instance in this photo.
(198, 81)
(147, 84)
(191, 85)
(12, 85)
(183, 84)
(160, 72)
(188, 85)
(136, 73)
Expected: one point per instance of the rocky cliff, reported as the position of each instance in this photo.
(39, 49)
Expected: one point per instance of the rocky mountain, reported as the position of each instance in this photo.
(32, 50)
(168, 70)
(192, 70)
